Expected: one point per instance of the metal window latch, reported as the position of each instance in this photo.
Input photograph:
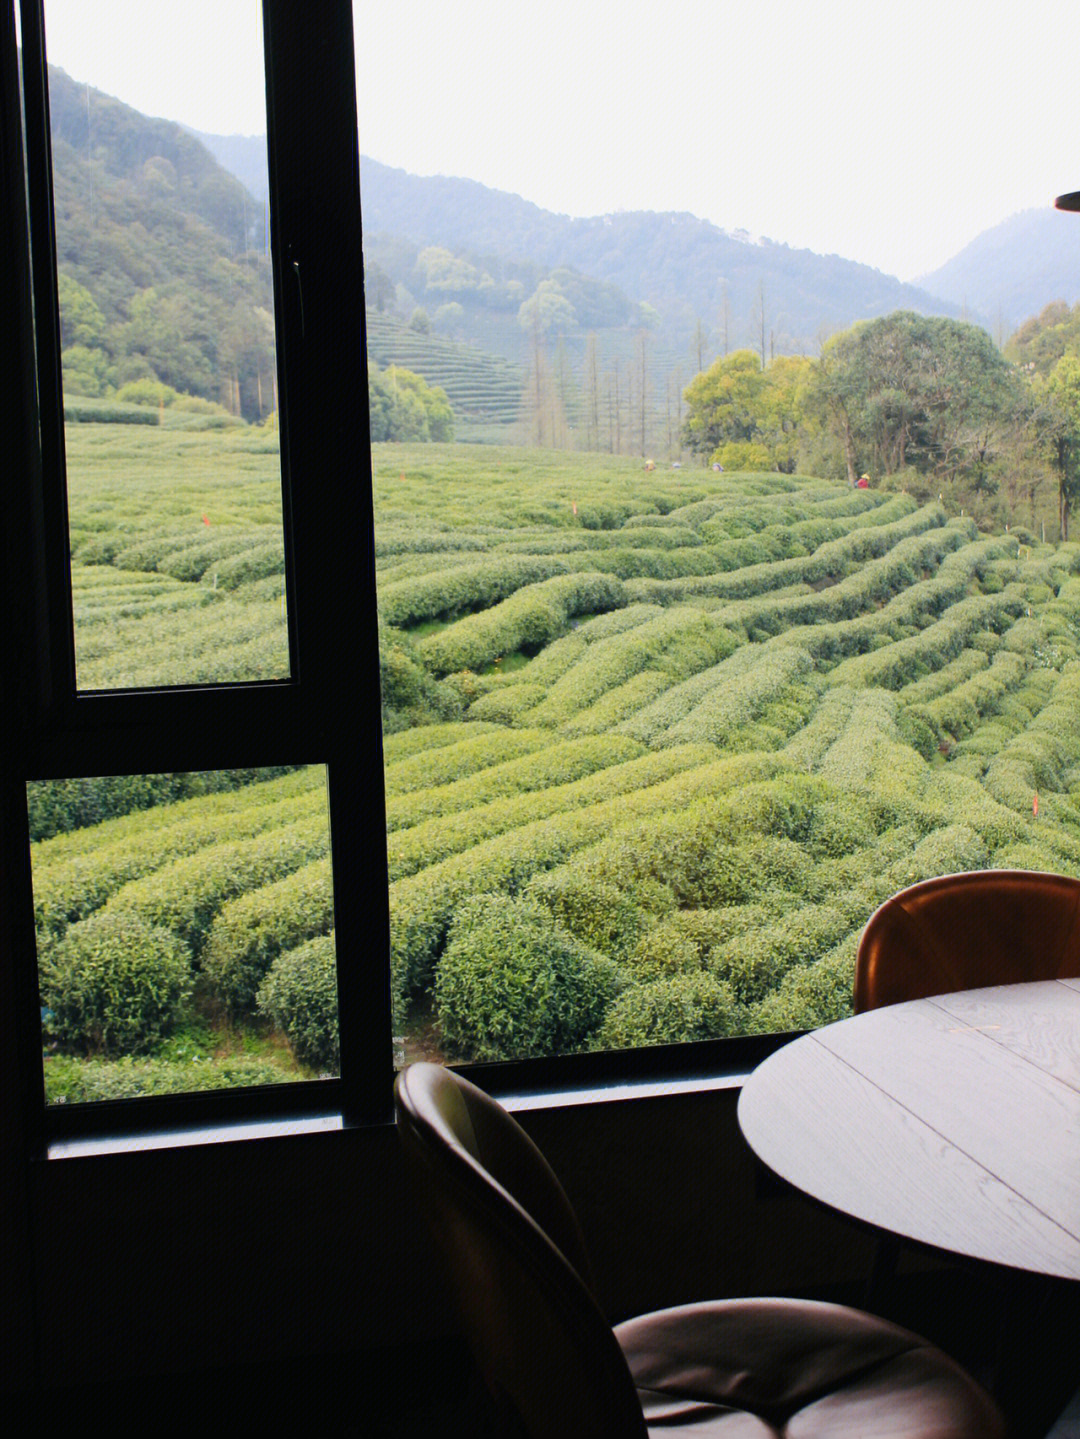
(294, 265)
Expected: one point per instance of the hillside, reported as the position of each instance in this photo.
(675, 263)
(162, 256)
(680, 731)
(1012, 271)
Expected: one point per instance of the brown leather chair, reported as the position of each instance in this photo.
(557, 1370)
(968, 931)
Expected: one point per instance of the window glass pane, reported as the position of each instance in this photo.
(185, 931)
(167, 337)
(673, 696)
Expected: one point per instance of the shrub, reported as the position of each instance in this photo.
(675, 1010)
(480, 747)
(300, 996)
(754, 962)
(249, 932)
(600, 915)
(187, 894)
(81, 1081)
(513, 984)
(115, 984)
(528, 619)
(732, 874)
(558, 764)
(810, 996)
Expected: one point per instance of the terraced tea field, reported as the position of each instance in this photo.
(657, 746)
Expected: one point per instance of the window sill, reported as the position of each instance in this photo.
(243, 1131)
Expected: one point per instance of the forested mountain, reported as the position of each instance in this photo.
(677, 263)
(1012, 271)
(163, 264)
(687, 269)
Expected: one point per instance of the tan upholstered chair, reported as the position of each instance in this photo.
(969, 931)
(557, 1370)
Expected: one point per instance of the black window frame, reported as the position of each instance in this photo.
(330, 567)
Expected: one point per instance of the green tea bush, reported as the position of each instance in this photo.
(512, 705)
(810, 996)
(739, 700)
(76, 873)
(931, 648)
(618, 704)
(249, 932)
(185, 896)
(82, 1081)
(422, 741)
(451, 592)
(958, 712)
(753, 963)
(735, 874)
(677, 702)
(427, 843)
(55, 806)
(941, 682)
(300, 996)
(512, 984)
(560, 763)
(530, 618)
(675, 1010)
(422, 905)
(480, 748)
(114, 984)
(604, 918)
(104, 412)
(680, 643)
(191, 562)
(250, 564)
(829, 561)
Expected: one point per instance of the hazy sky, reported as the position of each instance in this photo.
(888, 133)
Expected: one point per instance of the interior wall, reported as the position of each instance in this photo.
(193, 1259)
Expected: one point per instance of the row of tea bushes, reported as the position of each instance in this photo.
(529, 619)
(554, 764)
(409, 850)
(422, 905)
(77, 873)
(469, 755)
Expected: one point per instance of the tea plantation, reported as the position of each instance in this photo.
(656, 746)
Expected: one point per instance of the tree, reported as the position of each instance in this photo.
(1063, 387)
(547, 310)
(1042, 341)
(379, 290)
(81, 320)
(723, 403)
(920, 391)
(757, 321)
(697, 345)
(643, 386)
(448, 317)
(591, 406)
(403, 406)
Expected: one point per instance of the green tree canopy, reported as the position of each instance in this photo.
(724, 403)
(920, 391)
(403, 406)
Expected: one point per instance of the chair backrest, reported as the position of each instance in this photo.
(968, 931)
(516, 1261)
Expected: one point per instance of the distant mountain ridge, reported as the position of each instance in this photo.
(675, 262)
(1014, 269)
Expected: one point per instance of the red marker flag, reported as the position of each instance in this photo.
(574, 504)
(206, 522)
(1035, 807)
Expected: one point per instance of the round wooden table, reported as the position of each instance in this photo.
(953, 1120)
